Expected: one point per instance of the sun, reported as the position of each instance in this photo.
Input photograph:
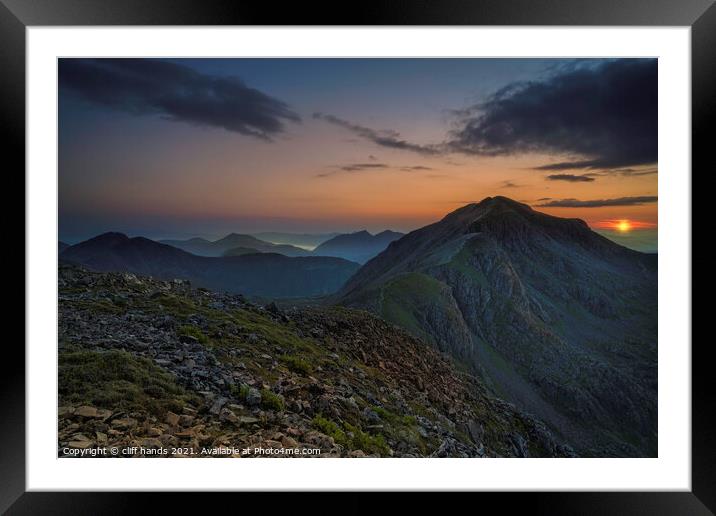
(623, 226)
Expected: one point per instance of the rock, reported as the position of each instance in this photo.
(253, 398)
(371, 415)
(357, 453)
(86, 411)
(219, 404)
(150, 443)
(248, 420)
(288, 442)
(185, 434)
(228, 415)
(154, 432)
(82, 445)
(186, 420)
(172, 419)
(188, 339)
(476, 431)
(126, 423)
(65, 411)
(520, 445)
(103, 414)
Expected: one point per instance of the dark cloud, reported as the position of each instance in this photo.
(602, 117)
(358, 167)
(627, 172)
(571, 178)
(177, 92)
(509, 184)
(367, 167)
(621, 201)
(354, 167)
(415, 168)
(387, 138)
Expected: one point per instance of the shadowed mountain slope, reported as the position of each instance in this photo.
(556, 318)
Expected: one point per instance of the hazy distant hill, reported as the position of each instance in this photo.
(556, 318)
(357, 247)
(305, 240)
(61, 246)
(203, 247)
(268, 275)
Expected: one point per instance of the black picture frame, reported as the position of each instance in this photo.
(17, 15)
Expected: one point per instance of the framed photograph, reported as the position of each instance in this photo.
(439, 247)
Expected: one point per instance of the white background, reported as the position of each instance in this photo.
(670, 471)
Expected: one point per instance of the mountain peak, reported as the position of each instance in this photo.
(500, 200)
(110, 236)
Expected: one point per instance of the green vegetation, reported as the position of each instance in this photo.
(193, 331)
(297, 364)
(271, 400)
(99, 305)
(239, 391)
(118, 380)
(461, 262)
(404, 296)
(392, 418)
(352, 438)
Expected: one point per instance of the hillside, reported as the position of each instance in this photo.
(554, 317)
(357, 247)
(267, 275)
(158, 364)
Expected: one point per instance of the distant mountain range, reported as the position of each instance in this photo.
(357, 247)
(303, 240)
(554, 317)
(203, 247)
(268, 274)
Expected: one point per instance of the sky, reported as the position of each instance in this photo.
(201, 147)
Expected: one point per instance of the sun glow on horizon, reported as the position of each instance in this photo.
(623, 225)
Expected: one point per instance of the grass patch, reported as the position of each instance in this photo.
(274, 333)
(352, 437)
(392, 418)
(99, 305)
(239, 391)
(118, 380)
(297, 364)
(408, 295)
(271, 400)
(192, 331)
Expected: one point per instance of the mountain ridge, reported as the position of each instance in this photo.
(359, 246)
(540, 306)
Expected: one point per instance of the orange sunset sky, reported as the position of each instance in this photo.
(180, 148)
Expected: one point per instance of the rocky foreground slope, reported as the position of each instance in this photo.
(157, 365)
